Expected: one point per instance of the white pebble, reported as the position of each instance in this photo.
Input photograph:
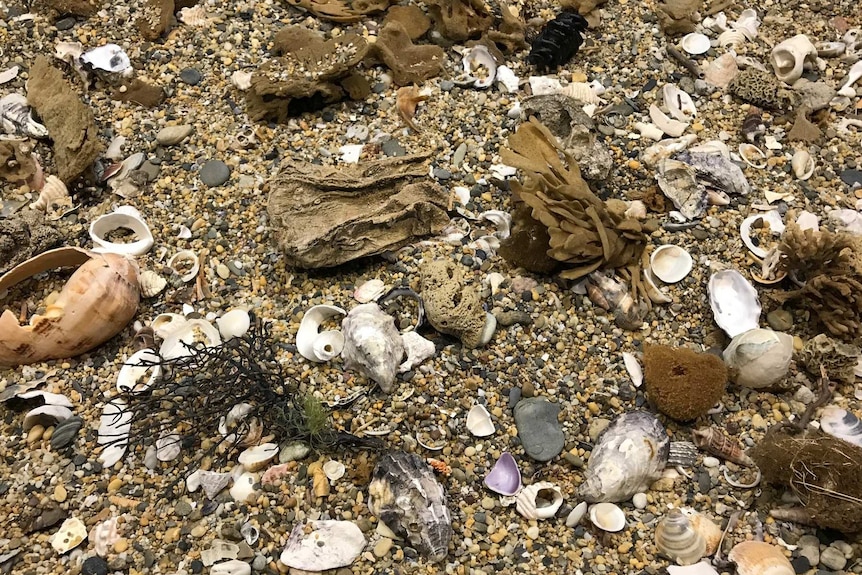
(639, 500)
(533, 532)
(710, 461)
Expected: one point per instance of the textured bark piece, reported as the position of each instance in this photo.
(155, 18)
(139, 92)
(414, 20)
(459, 20)
(70, 122)
(342, 10)
(677, 16)
(291, 38)
(409, 64)
(83, 8)
(325, 216)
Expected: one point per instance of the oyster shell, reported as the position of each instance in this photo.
(417, 348)
(608, 517)
(109, 58)
(759, 558)
(629, 455)
(114, 427)
(678, 540)
(405, 495)
(372, 344)
(759, 358)
(71, 534)
(322, 545)
(734, 302)
(677, 182)
(717, 171)
(539, 501)
(505, 477)
(257, 457)
(16, 118)
(842, 424)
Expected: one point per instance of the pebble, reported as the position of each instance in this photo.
(832, 558)
(780, 319)
(757, 421)
(94, 566)
(223, 271)
(171, 135)
(64, 23)
(214, 173)
(639, 500)
(183, 508)
(65, 432)
(59, 493)
(809, 547)
(533, 532)
(190, 76)
(800, 564)
(538, 428)
(382, 547)
(393, 148)
(710, 462)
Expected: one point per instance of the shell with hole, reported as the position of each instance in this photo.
(186, 264)
(759, 558)
(165, 323)
(257, 457)
(608, 517)
(539, 501)
(505, 477)
(480, 66)
(678, 103)
(96, 302)
(139, 372)
(790, 56)
(670, 263)
(234, 323)
(678, 540)
(192, 332)
(71, 534)
(695, 43)
(759, 358)
(776, 227)
(316, 345)
(124, 217)
(803, 164)
(752, 155)
(479, 421)
(734, 302)
(372, 344)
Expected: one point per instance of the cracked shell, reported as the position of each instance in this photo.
(734, 302)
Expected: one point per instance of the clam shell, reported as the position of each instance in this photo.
(776, 226)
(695, 43)
(803, 164)
(139, 372)
(234, 323)
(369, 291)
(168, 447)
(114, 426)
(576, 514)
(678, 540)
(71, 534)
(634, 368)
(193, 331)
(166, 323)
(46, 397)
(46, 416)
(16, 118)
(257, 457)
(759, 358)
(190, 261)
(654, 293)
(505, 477)
(479, 421)
(678, 103)
(734, 302)
(752, 155)
(702, 568)
(151, 283)
(670, 263)
(308, 334)
(53, 194)
(539, 501)
(65, 432)
(759, 558)
(477, 59)
(108, 57)
(839, 423)
(671, 127)
(608, 517)
(124, 217)
(334, 470)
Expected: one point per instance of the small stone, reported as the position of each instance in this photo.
(35, 434)
(115, 485)
(121, 545)
(639, 500)
(223, 271)
(538, 428)
(809, 547)
(852, 178)
(214, 173)
(533, 532)
(183, 508)
(780, 320)
(65, 432)
(800, 564)
(757, 421)
(488, 503)
(710, 461)
(59, 494)
(392, 148)
(441, 174)
(95, 566)
(64, 23)
(171, 535)
(190, 76)
(459, 155)
(509, 318)
(833, 559)
(382, 547)
(170, 135)
(596, 427)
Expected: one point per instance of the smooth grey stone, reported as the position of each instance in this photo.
(190, 76)
(214, 173)
(170, 135)
(393, 149)
(64, 24)
(538, 428)
(95, 566)
(65, 432)
(832, 558)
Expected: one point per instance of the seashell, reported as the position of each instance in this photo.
(233, 566)
(634, 368)
(139, 372)
(241, 79)
(706, 527)
(244, 139)
(192, 332)
(495, 280)
(334, 470)
(212, 482)
(185, 260)
(9, 74)
(243, 487)
(789, 57)
(109, 58)
(234, 323)
(650, 131)
(71, 534)
(257, 457)
(369, 291)
(319, 482)
(331, 342)
(323, 545)
(677, 182)
(695, 43)
(734, 302)
(752, 155)
(539, 501)
(717, 198)
(748, 22)
(721, 70)
(115, 148)
(677, 540)
(759, 358)
(403, 292)
(46, 397)
(168, 447)
(682, 453)
(669, 126)
(712, 147)
(842, 424)
(249, 532)
(479, 421)
(678, 103)
(701, 568)
(506, 80)
(195, 16)
(480, 66)
(372, 344)
(16, 118)
(65, 432)
(666, 148)
(103, 535)
(830, 49)
(166, 323)
(759, 558)
(752, 125)
(712, 440)
(46, 416)
(151, 283)
(114, 426)
(803, 164)
(417, 348)
(582, 92)
(576, 514)
(776, 226)
(505, 477)
(670, 263)
(124, 217)
(853, 75)
(716, 168)
(717, 23)
(731, 38)
(608, 517)
(628, 456)
(53, 194)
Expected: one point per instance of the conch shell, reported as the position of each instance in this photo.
(98, 300)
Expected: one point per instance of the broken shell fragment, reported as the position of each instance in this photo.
(369, 291)
(670, 263)
(139, 372)
(232, 566)
(479, 421)
(677, 181)
(759, 558)
(759, 358)
(372, 344)
(752, 155)
(46, 416)
(319, 346)
(776, 227)
(234, 323)
(803, 164)
(16, 117)
(678, 103)
(109, 58)
(505, 477)
(334, 470)
(168, 447)
(417, 348)
(842, 424)
(608, 517)
(576, 514)
(166, 323)
(54, 195)
(634, 368)
(193, 332)
(186, 264)
(735, 305)
(124, 217)
(671, 127)
(480, 66)
(71, 534)
(695, 43)
(323, 545)
(114, 426)
(257, 457)
(539, 501)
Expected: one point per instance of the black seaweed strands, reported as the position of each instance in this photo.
(558, 41)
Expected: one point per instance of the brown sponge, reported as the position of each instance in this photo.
(682, 383)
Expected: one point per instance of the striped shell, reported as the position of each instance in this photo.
(54, 193)
(581, 91)
(714, 442)
(678, 540)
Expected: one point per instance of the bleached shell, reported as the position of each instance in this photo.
(654, 293)
(678, 540)
(671, 127)
(46, 416)
(218, 550)
(776, 227)
(54, 192)
(234, 323)
(168, 447)
(9, 74)
(582, 92)
(788, 57)
(47, 397)
(576, 514)
(748, 22)
(648, 130)
(243, 487)
(16, 117)
(125, 217)
(722, 70)
(71, 534)
(842, 424)
(479, 57)
(670, 263)
(308, 334)
(752, 155)
(830, 49)
(760, 358)
(190, 259)
(479, 421)
(109, 57)
(634, 368)
(706, 527)
(734, 302)
(166, 323)
(151, 283)
(231, 567)
(539, 501)
(678, 103)
(191, 332)
(731, 38)
(328, 345)
(372, 344)
(803, 164)
(695, 43)
(334, 470)
(241, 79)
(608, 517)
(369, 291)
(701, 568)
(114, 426)
(213, 482)
(507, 80)
(103, 535)
(195, 16)
(759, 558)
(505, 477)
(666, 148)
(678, 183)
(322, 545)
(257, 457)
(139, 372)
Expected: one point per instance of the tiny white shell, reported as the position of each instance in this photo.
(539, 501)
(695, 43)
(582, 92)
(752, 155)
(608, 517)
(125, 217)
(334, 470)
(243, 487)
(257, 457)
(308, 334)
(670, 263)
(9, 75)
(234, 323)
(576, 514)
(650, 131)
(479, 421)
(671, 127)
(168, 447)
(114, 426)
(634, 368)
(191, 262)
(151, 283)
(192, 331)
(507, 80)
(139, 372)
(369, 291)
(166, 323)
(478, 57)
(241, 79)
(108, 57)
(71, 534)
(803, 164)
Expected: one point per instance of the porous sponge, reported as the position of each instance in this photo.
(682, 383)
(451, 306)
(759, 88)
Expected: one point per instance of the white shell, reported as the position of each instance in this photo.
(213, 482)
(257, 457)
(735, 306)
(191, 259)
(71, 534)
(54, 193)
(243, 487)
(192, 331)
(110, 58)
(666, 148)
(334, 470)
(654, 293)
(853, 75)
(842, 424)
(539, 501)
(115, 148)
(166, 323)
(776, 227)
(608, 517)
(151, 283)
(634, 368)
(702, 568)
(46, 416)
(125, 217)
(789, 57)
(114, 426)
(16, 117)
(671, 127)
(323, 545)
(748, 22)
(507, 81)
(722, 70)
(168, 447)
(478, 57)
(678, 103)
(650, 131)
(760, 358)
(582, 92)
(195, 16)
(103, 535)
(752, 155)
(139, 372)
(9, 75)
(241, 79)
(219, 549)
(695, 43)
(372, 344)
(576, 514)
(678, 540)
(231, 567)
(417, 348)
(48, 398)
(234, 323)
(307, 334)
(731, 38)
(760, 558)
(479, 421)
(670, 263)
(369, 291)
(803, 164)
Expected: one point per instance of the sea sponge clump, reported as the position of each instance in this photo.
(759, 88)
(451, 306)
(682, 383)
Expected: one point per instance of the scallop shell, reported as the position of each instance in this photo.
(731, 38)
(168, 447)
(678, 540)
(476, 59)
(46, 416)
(124, 217)
(539, 501)
(98, 300)
(803, 164)
(151, 283)
(334, 470)
(234, 323)
(678, 103)
(671, 127)
(193, 331)
(114, 426)
(54, 194)
(695, 43)
(759, 558)
(318, 346)
(582, 92)
(16, 117)
(369, 291)
(190, 260)
(479, 421)
(759, 358)
(670, 263)
(842, 424)
(752, 155)
(71, 534)
(372, 344)
(505, 477)
(103, 535)
(257, 457)
(734, 302)
(608, 517)
(139, 372)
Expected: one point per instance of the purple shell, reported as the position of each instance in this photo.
(505, 477)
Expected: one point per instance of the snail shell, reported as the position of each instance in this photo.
(539, 501)
(713, 441)
(677, 539)
(803, 164)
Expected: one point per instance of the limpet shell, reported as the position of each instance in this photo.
(608, 517)
(71, 534)
(334, 470)
(539, 501)
(479, 421)
(670, 263)
(752, 155)
(191, 263)
(695, 43)
(803, 164)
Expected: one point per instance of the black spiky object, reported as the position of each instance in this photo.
(558, 41)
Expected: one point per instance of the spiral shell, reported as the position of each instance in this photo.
(677, 539)
(54, 194)
(713, 441)
(539, 501)
(195, 16)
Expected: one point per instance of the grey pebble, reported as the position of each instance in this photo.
(459, 155)
(832, 558)
(95, 566)
(780, 319)
(64, 23)
(214, 173)
(183, 508)
(393, 149)
(538, 428)
(259, 563)
(809, 547)
(190, 76)
(514, 397)
(508, 318)
(170, 135)
(441, 174)
(65, 432)
(447, 85)
(151, 170)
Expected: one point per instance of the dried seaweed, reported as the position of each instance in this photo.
(558, 41)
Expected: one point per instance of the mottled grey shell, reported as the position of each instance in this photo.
(629, 455)
(65, 432)
(405, 495)
(372, 344)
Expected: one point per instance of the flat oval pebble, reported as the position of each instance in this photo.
(190, 76)
(65, 432)
(94, 566)
(170, 135)
(214, 173)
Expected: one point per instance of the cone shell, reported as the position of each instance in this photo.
(759, 558)
(677, 539)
